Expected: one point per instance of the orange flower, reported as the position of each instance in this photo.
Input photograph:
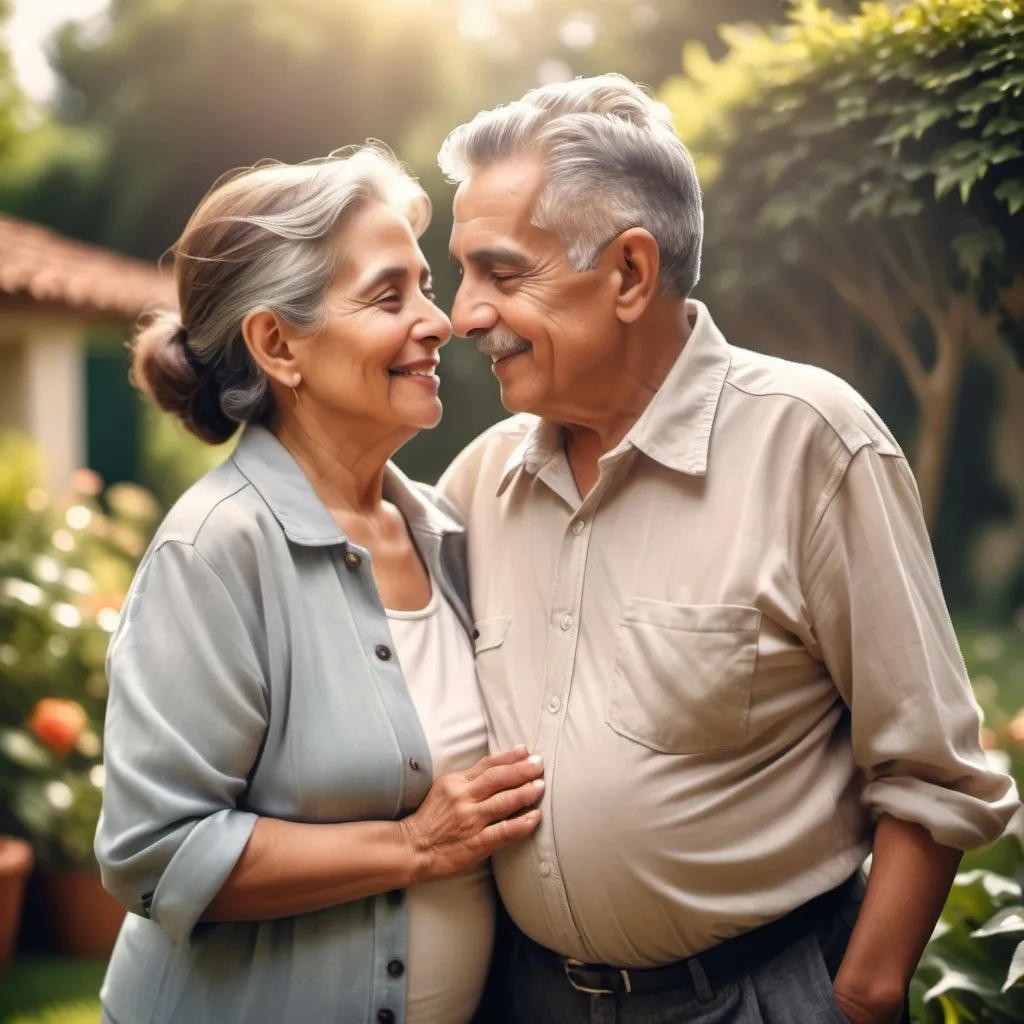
(86, 481)
(58, 724)
(1016, 727)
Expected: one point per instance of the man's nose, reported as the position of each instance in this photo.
(470, 314)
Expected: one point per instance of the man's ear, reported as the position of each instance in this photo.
(637, 260)
(267, 339)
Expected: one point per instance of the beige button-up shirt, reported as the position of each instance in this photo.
(734, 655)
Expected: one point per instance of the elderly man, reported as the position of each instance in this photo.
(706, 596)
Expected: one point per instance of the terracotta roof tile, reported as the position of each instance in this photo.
(47, 267)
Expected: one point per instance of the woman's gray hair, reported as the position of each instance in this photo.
(613, 162)
(261, 241)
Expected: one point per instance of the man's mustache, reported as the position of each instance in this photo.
(500, 341)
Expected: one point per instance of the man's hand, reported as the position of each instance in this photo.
(911, 875)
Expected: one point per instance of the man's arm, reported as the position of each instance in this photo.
(911, 876)
(880, 624)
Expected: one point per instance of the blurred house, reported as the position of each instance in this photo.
(54, 294)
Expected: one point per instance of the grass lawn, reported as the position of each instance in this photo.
(51, 990)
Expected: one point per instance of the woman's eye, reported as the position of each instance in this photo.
(390, 297)
(503, 278)
(429, 294)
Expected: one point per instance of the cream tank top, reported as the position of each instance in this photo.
(450, 922)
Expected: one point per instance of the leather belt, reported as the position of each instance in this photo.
(721, 965)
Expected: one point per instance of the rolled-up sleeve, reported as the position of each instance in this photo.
(880, 622)
(185, 720)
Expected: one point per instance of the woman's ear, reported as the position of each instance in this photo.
(638, 261)
(271, 348)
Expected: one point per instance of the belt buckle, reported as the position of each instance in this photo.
(570, 965)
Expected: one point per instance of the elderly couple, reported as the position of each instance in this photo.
(666, 650)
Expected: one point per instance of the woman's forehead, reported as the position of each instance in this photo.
(376, 238)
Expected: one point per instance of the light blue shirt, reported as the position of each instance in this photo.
(253, 673)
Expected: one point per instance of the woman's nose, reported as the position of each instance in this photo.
(436, 328)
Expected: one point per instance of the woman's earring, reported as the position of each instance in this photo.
(295, 386)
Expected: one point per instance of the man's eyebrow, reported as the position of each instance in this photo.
(499, 254)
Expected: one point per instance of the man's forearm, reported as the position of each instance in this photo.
(911, 875)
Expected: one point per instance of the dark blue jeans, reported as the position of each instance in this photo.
(795, 987)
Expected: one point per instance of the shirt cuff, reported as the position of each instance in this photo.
(198, 869)
(960, 820)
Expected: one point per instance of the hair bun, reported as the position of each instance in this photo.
(168, 372)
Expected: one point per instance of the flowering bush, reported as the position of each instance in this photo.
(64, 569)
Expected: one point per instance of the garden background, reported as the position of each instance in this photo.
(863, 169)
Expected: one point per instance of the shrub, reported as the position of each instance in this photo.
(64, 570)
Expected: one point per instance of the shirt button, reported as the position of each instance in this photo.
(352, 560)
(475, 635)
(544, 868)
(554, 704)
(414, 764)
(386, 1016)
(566, 622)
(578, 527)
(382, 652)
(394, 897)
(396, 968)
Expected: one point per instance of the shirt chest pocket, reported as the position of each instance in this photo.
(683, 674)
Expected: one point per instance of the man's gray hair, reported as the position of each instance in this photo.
(613, 162)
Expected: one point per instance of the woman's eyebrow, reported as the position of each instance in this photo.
(395, 273)
(382, 276)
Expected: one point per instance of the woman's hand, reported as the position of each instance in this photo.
(468, 815)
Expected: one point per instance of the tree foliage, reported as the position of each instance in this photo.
(878, 159)
(165, 96)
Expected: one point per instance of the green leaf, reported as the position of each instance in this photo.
(905, 206)
(1012, 193)
(916, 126)
(961, 974)
(871, 203)
(995, 885)
(1007, 921)
(18, 747)
(1003, 124)
(1016, 971)
(964, 176)
(972, 249)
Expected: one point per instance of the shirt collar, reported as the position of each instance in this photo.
(675, 428)
(289, 495)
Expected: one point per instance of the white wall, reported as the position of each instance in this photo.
(42, 391)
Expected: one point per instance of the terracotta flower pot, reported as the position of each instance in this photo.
(16, 861)
(86, 918)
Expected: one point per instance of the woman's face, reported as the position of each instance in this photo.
(376, 360)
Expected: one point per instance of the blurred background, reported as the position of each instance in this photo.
(863, 169)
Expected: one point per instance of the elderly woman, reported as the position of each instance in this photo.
(298, 807)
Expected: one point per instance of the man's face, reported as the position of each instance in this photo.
(550, 331)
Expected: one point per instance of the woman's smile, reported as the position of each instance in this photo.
(423, 372)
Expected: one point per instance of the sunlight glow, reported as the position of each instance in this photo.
(28, 32)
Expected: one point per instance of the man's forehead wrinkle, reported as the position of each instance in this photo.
(516, 184)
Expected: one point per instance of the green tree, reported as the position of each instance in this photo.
(173, 93)
(182, 91)
(868, 173)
